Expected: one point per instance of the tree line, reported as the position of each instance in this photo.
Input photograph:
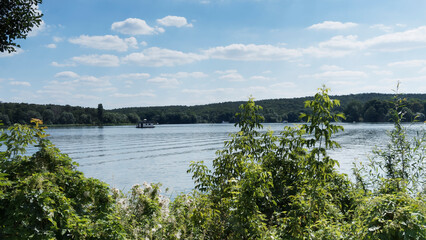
(369, 107)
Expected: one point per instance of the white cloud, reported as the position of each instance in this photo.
(56, 64)
(127, 95)
(37, 30)
(135, 26)
(104, 60)
(104, 89)
(185, 75)
(76, 84)
(19, 83)
(203, 92)
(336, 74)
(93, 81)
(349, 42)
(226, 71)
(231, 75)
(134, 76)
(382, 27)
(164, 82)
(326, 52)
(304, 65)
(371, 66)
(408, 63)
(283, 85)
(261, 78)
(174, 21)
(339, 46)
(67, 74)
(85, 97)
(6, 54)
(383, 72)
(157, 57)
(107, 42)
(57, 39)
(52, 45)
(342, 83)
(387, 28)
(330, 68)
(252, 52)
(399, 41)
(331, 25)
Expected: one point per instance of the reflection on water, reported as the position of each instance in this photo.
(124, 155)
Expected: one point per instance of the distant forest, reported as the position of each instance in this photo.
(369, 107)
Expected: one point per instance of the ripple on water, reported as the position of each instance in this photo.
(123, 155)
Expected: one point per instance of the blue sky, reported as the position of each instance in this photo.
(187, 52)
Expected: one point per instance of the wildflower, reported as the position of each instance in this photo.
(178, 234)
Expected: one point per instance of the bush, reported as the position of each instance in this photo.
(45, 197)
(392, 186)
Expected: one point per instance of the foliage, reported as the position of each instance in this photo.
(44, 197)
(355, 107)
(263, 186)
(392, 185)
(17, 18)
(390, 216)
(100, 113)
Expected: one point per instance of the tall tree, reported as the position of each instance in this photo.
(17, 18)
(100, 113)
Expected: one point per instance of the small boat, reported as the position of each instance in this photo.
(145, 124)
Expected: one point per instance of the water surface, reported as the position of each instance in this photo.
(124, 155)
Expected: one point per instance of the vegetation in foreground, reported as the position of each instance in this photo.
(261, 186)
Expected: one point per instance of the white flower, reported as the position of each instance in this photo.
(178, 234)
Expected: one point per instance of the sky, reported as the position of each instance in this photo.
(132, 53)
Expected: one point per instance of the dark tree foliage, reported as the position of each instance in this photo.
(17, 18)
(359, 108)
(100, 113)
(48, 116)
(67, 118)
(4, 118)
(353, 111)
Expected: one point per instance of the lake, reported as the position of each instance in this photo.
(124, 155)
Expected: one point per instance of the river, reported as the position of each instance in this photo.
(124, 155)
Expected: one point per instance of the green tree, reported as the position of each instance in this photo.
(48, 116)
(293, 117)
(17, 19)
(85, 119)
(100, 113)
(32, 114)
(392, 184)
(4, 118)
(263, 186)
(353, 111)
(43, 196)
(375, 111)
(66, 118)
(133, 118)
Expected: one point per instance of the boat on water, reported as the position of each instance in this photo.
(145, 124)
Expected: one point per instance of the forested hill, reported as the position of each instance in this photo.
(368, 107)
